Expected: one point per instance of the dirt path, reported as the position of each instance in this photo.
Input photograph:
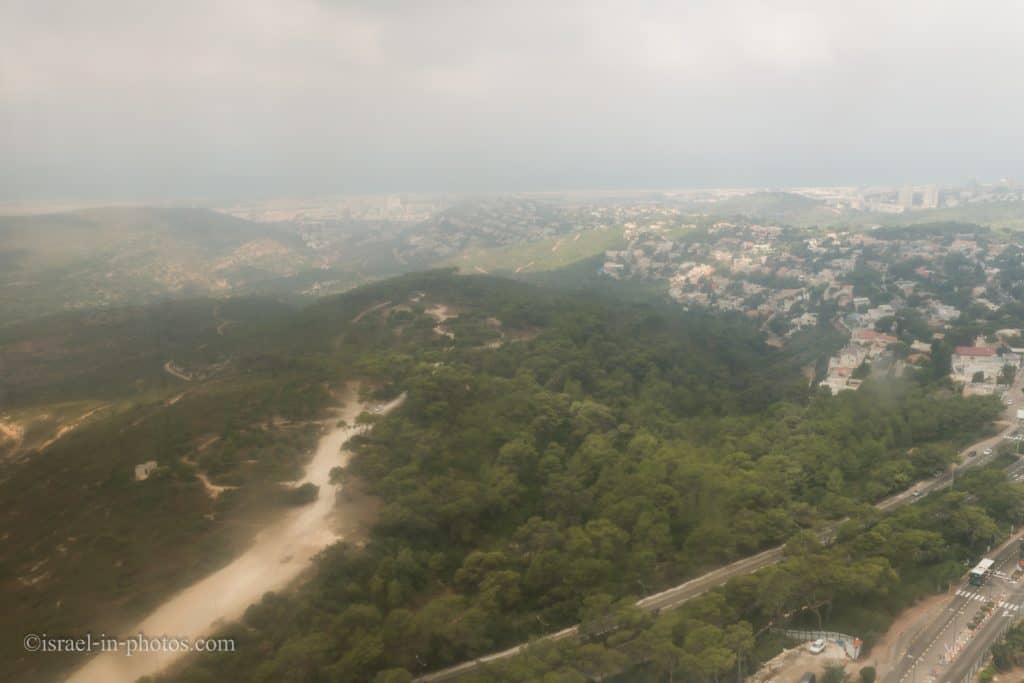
(65, 429)
(171, 369)
(213, 490)
(371, 309)
(522, 268)
(441, 313)
(277, 557)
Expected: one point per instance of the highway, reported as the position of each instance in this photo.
(945, 649)
(677, 595)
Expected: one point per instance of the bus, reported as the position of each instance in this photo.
(978, 574)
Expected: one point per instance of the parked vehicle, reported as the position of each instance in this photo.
(988, 451)
(817, 647)
(808, 677)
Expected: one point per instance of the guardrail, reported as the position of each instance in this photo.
(850, 644)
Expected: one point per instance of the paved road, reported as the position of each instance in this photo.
(945, 650)
(677, 595)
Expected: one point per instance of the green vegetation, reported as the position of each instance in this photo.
(558, 455)
(87, 547)
(545, 482)
(1009, 651)
(875, 567)
(543, 255)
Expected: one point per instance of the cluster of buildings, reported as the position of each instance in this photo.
(893, 293)
(514, 221)
(904, 198)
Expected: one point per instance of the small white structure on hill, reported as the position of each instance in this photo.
(143, 470)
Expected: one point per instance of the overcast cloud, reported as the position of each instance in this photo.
(253, 98)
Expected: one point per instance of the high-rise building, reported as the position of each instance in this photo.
(906, 197)
(930, 197)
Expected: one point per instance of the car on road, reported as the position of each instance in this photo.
(971, 454)
(817, 647)
(808, 677)
(987, 451)
(916, 493)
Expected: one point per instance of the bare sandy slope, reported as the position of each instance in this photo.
(278, 555)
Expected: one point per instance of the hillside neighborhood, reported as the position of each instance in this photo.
(944, 299)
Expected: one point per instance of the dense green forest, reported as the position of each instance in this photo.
(558, 452)
(559, 455)
(875, 567)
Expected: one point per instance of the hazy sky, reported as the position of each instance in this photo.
(255, 98)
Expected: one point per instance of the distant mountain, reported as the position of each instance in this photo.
(115, 256)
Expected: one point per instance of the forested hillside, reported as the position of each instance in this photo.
(557, 453)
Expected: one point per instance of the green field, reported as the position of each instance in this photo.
(546, 254)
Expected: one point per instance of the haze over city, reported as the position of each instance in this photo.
(246, 99)
(437, 341)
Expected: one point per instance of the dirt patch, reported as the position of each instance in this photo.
(1014, 675)
(11, 431)
(70, 427)
(789, 665)
(890, 647)
(207, 442)
(174, 371)
(213, 490)
(440, 313)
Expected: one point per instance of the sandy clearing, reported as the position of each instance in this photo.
(441, 313)
(12, 431)
(279, 554)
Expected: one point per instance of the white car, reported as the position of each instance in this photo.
(817, 647)
(987, 451)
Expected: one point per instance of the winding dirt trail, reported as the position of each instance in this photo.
(277, 557)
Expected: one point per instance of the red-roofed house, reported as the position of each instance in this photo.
(974, 351)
